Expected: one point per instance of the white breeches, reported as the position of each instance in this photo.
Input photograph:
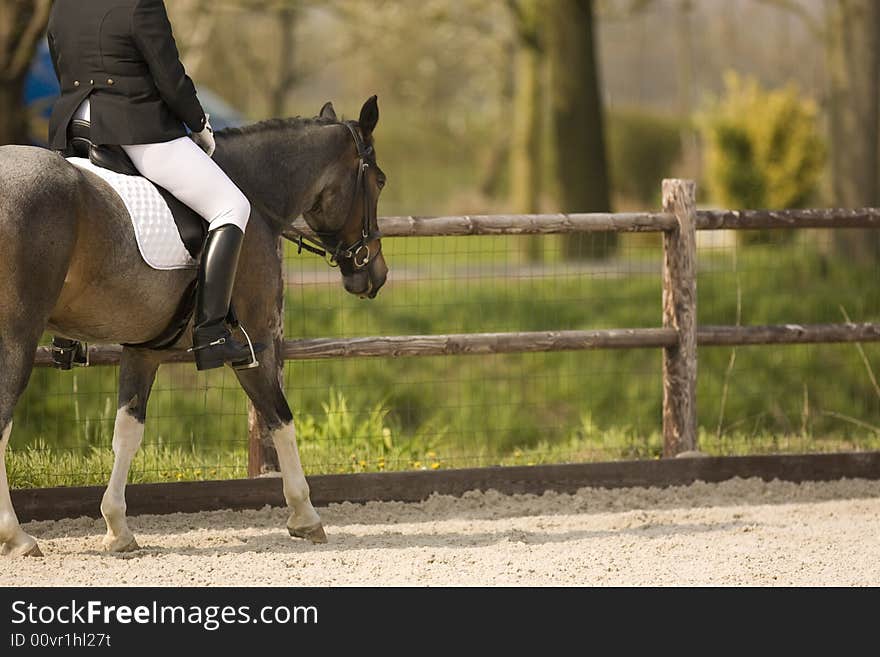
(187, 172)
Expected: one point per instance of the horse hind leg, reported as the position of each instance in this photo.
(137, 371)
(16, 363)
(15, 542)
(32, 272)
(128, 432)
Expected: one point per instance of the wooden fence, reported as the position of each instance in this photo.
(679, 336)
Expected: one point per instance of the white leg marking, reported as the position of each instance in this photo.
(128, 433)
(13, 540)
(296, 489)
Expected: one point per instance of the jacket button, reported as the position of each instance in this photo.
(76, 83)
(110, 81)
(91, 82)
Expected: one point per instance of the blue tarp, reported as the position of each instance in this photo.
(41, 89)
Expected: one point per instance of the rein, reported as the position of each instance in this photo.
(328, 245)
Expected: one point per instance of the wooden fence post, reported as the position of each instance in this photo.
(680, 313)
(261, 452)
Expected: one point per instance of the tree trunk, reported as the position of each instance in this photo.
(22, 23)
(690, 147)
(579, 130)
(525, 152)
(854, 112)
(496, 161)
(287, 17)
(13, 116)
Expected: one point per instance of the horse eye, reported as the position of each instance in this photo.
(381, 182)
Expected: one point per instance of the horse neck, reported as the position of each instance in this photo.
(279, 169)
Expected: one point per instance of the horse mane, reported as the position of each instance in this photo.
(276, 125)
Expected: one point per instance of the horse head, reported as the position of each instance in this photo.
(344, 212)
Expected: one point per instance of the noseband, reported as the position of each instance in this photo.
(330, 247)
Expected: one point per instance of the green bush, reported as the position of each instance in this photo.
(762, 148)
(642, 149)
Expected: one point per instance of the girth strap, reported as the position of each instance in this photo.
(177, 326)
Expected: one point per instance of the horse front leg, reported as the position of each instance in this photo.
(137, 371)
(304, 521)
(265, 392)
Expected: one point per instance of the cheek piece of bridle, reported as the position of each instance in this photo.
(330, 247)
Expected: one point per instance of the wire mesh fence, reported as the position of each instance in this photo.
(800, 398)
(355, 415)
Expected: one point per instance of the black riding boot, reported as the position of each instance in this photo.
(212, 341)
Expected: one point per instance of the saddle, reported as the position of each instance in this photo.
(192, 228)
(193, 231)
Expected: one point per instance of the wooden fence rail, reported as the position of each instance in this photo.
(467, 344)
(640, 222)
(679, 335)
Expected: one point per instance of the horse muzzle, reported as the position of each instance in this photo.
(366, 283)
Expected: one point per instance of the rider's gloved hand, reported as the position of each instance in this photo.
(205, 138)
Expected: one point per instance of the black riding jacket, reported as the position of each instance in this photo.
(120, 54)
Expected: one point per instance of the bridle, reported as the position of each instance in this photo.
(329, 246)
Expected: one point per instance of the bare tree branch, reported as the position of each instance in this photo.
(201, 34)
(797, 9)
(24, 49)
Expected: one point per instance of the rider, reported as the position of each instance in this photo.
(119, 68)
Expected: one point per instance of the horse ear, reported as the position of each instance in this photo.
(369, 116)
(327, 112)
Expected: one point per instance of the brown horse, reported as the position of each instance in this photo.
(69, 263)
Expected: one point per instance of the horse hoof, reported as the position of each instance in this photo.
(313, 534)
(35, 551)
(29, 549)
(121, 545)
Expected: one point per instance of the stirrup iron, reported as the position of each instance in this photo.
(67, 353)
(240, 365)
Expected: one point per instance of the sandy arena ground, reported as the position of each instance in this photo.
(741, 532)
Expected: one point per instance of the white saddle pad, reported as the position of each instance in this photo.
(157, 236)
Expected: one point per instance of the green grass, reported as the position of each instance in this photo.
(40, 466)
(355, 415)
